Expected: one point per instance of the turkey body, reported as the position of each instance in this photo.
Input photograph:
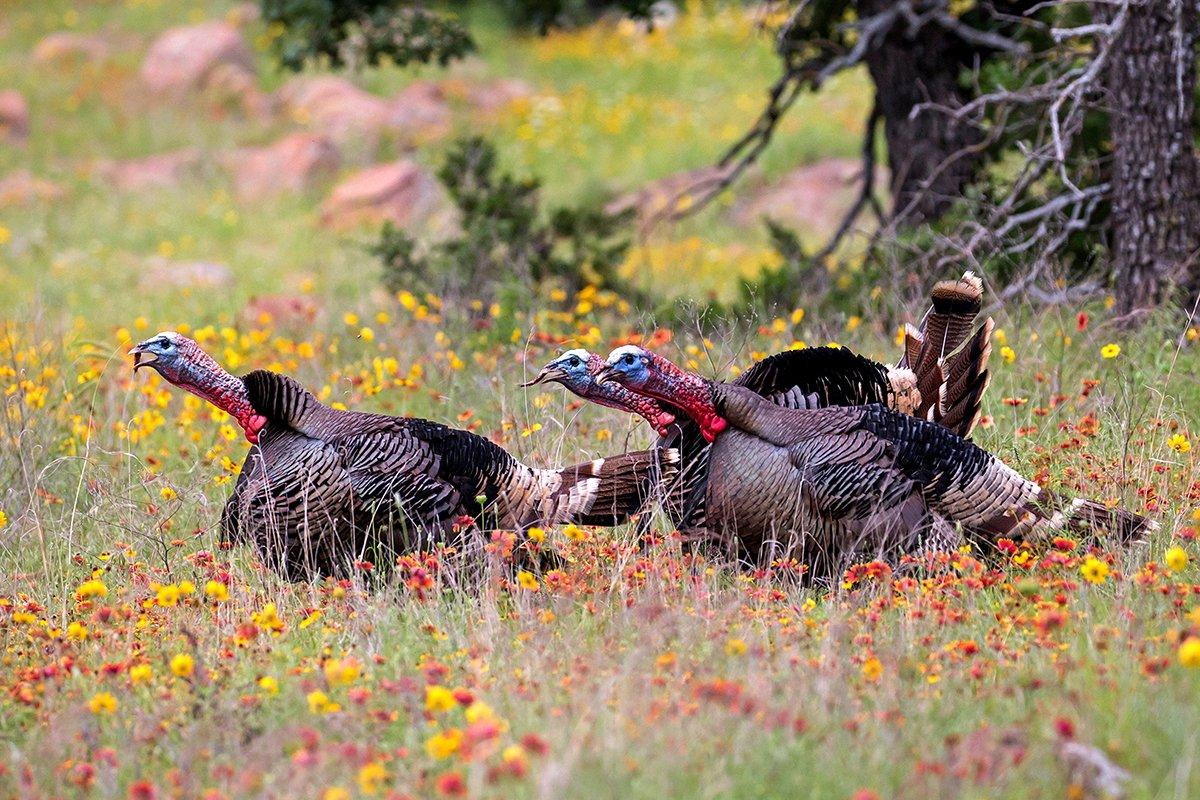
(835, 485)
(324, 487)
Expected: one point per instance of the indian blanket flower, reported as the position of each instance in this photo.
(1094, 570)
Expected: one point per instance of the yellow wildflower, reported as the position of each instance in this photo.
(77, 632)
(1189, 652)
(102, 703)
(342, 672)
(168, 595)
(1094, 570)
(439, 699)
(140, 673)
(183, 665)
(1179, 443)
(91, 588)
(735, 647)
(319, 703)
(269, 685)
(1110, 351)
(216, 591)
(1176, 558)
(1008, 354)
(527, 581)
(536, 534)
(444, 744)
(872, 669)
(371, 778)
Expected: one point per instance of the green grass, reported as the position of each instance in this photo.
(644, 674)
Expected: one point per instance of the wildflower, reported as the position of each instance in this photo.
(872, 669)
(102, 703)
(1008, 354)
(77, 632)
(1176, 558)
(444, 744)
(319, 703)
(1110, 351)
(216, 591)
(183, 665)
(574, 533)
(366, 334)
(735, 647)
(527, 581)
(1179, 443)
(140, 673)
(372, 777)
(439, 699)
(269, 685)
(536, 535)
(187, 588)
(91, 588)
(3, 518)
(342, 672)
(479, 711)
(351, 319)
(268, 618)
(335, 793)
(168, 595)
(451, 785)
(1189, 652)
(167, 493)
(1094, 570)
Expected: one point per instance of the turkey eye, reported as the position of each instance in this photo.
(165, 344)
(628, 359)
(573, 361)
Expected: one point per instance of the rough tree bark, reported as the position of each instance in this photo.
(1154, 231)
(929, 148)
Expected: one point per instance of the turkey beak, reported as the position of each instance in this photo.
(548, 373)
(606, 375)
(138, 352)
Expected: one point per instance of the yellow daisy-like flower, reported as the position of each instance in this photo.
(102, 703)
(269, 685)
(216, 591)
(1008, 354)
(536, 535)
(91, 588)
(1176, 558)
(527, 581)
(1179, 443)
(319, 703)
(183, 665)
(444, 744)
(439, 699)
(1110, 351)
(371, 778)
(140, 673)
(872, 669)
(1094, 570)
(168, 595)
(1189, 652)
(735, 647)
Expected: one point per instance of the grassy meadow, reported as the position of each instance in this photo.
(142, 660)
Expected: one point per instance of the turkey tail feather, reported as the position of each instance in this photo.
(967, 378)
(607, 491)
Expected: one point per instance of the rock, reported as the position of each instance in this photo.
(162, 273)
(292, 312)
(814, 197)
(22, 188)
(230, 83)
(496, 96)
(667, 196)
(420, 111)
(14, 116)
(337, 108)
(157, 171)
(68, 47)
(183, 59)
(401, 191)
(295, 163)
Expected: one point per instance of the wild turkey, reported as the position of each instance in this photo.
(321, 487)
(939, 378)
(835, 484)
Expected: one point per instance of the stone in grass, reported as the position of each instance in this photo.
(162, 170)
(296, 163)
(401, 192)
(69, 47)
(22, 188)
(14, 116)
(184, 59)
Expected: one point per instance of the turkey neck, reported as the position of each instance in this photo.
(694, 396)
(204, 377)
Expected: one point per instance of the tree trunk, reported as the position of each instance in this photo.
(908, 70)
(1154, 231)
